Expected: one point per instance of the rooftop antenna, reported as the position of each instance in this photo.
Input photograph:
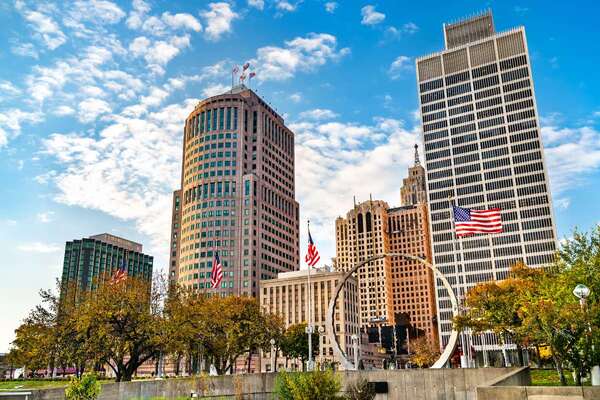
(417, 161)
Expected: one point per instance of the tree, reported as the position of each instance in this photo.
(424, 352)
(121, 325)
(232, 326)
(295, 343)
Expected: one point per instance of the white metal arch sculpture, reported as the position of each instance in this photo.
(339, 353)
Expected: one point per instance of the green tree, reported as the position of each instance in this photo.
(316, 385)
(294, 343)
(84, 388)
(423, 352)
(122, 325)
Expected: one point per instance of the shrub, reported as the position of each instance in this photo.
(317, 385)
(360, 389)
(84, 388)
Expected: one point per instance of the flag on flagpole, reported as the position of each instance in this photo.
(468, 222)
(312, 256)
(252, 75)
(246, 66)
(217, 272)
(242, 77)
(235, 69)
(120, 274)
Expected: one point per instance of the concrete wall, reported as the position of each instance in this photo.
(516, 385)
(417, 384)
(538, 393)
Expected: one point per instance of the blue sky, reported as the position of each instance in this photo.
(93, 95)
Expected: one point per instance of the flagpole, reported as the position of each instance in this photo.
(463, 359)
(309, 328)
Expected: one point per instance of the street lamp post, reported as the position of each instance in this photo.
(354, 338)
(582, 292)
(273, 356)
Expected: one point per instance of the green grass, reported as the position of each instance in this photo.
(31, 384)
(549, 377)
(38, 384)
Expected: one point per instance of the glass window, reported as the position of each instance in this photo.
(214, 120)
(228, 119)
(208, 113)
(221, 116)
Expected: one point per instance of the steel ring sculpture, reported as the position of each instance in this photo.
(337, 350)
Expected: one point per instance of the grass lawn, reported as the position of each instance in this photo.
(549, 377)
(31, 384)
(37, 384)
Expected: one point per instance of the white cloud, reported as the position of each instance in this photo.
(286, 6)
(24, 50)
(45, 81)
(318, 114)
(218, 19)
(90, 109)
(11, 121)
(182, 21)
(137, 14)
(299, 54)
(410, 28)
(8, 88)
(45, 28)
(370, 16)
(334, 159)
(97, 11)
(45, 217)
(259, 4)
(562, 203)
(128, 170)
(331, 6)
(400, 65)
(296, 97)
(39, 247)
(215, 89)
(573, 154)
(63, 110)
(158, 53)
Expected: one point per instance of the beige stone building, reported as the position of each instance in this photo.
(414, 186)
(287, 296)
(392, 286)
(363, 233)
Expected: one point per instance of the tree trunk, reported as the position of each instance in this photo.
(249, 361)
(559, 369)
(520, 355)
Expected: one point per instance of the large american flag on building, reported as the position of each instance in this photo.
(217, 272)
(468, 222)
(120, 274)
(312, 256)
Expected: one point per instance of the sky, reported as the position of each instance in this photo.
(94, 94)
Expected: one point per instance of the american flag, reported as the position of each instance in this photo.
(217, 272)
(120, 274)
(468, 222)
(312, 256)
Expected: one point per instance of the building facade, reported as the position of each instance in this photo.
(236, 196)
(287, 296)
(483, 150)
(414, 186)
(89, 261)
(392, 285)
(362, 234)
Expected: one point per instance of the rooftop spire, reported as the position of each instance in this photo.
(417, 162)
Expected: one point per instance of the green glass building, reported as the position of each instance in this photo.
(91, 260)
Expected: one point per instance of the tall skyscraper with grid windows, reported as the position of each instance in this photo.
(483, 150)
(236, 196)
